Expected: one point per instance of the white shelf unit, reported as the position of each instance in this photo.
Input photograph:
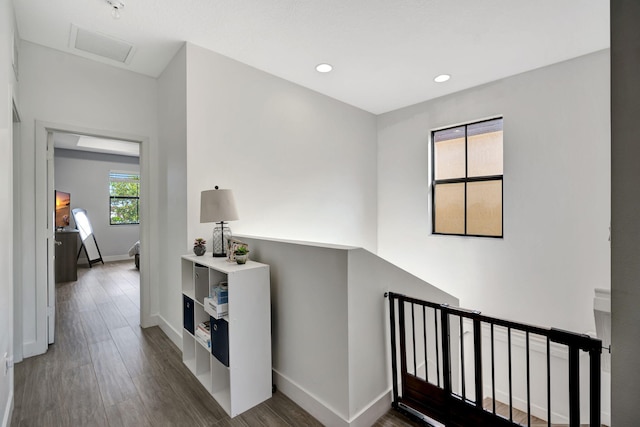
(247, 380)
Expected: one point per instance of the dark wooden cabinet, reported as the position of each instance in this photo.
(66, 256)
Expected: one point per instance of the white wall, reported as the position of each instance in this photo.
(59, 88)
(330, 326)
(301, 165)
(85, 175)
(172, 186)
(555, 249)
(7, 88)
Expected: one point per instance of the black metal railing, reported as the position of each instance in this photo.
(434, 375)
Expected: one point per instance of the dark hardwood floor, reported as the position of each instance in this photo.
(104, 370)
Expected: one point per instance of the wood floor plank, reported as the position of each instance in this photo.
(138, 356)
(81, 388)
(231, 422)
(83, 301)
(262, 415)
(291, 412)
(113, 378)
(98, 294)
(41, 385)
(112, 317)
(162, 405)
(125, 306)
(19, 379)
(94, 328)
(200, 403)
(129, 413)
(52, 417)
(88, 416)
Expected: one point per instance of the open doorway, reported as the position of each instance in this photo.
(45, 227)
(97, 220)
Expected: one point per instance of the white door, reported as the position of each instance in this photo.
(51, 239)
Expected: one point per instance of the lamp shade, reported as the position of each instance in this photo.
(217, 205)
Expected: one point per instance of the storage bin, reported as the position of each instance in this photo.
(187, 310)
(220, 340)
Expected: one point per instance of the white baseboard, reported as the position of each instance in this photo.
(324, 413)
(370, 414)
(8, 411)
(112, 258)
(307, 401)
(149, 321)
(536, 410)
(108, 258)
(173, 334)
(32, 348)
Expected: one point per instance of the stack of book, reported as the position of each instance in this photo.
(203, 333)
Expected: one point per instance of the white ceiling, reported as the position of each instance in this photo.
(385, 53)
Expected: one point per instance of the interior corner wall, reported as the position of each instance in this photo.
(57, 87)
(85, 175)
(301, 165)
(172, 187)
(555, 249)
(7, 84)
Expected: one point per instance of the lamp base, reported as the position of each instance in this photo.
(221, 236)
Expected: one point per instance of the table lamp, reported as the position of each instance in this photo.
(218, 206)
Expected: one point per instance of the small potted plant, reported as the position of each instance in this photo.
(199, 246)
(241, 253)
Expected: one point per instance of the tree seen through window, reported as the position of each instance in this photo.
(124, 198)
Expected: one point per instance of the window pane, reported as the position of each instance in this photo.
(449, 153)
(449, 208)
(124, 184)
(484, 148)
(124, 211)
(484, 208)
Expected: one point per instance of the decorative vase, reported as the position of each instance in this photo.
(242, 259)
(199, 250)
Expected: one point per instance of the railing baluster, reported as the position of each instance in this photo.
(574, 387)
(477, 349)
(403, 338)
(548, 382)
(594, 385)
(413, 332)
(464, 379)
(435, 316)
(394, 363)
(446, 350)
(510, 385)
(528, 383)
(424, 338)
(493, 371)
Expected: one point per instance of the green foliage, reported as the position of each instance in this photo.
(241, 250)
(124, 201)
(124, 189)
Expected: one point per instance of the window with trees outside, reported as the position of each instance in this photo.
(467, 179)
(124, 198)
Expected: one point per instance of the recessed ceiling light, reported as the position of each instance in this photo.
(324, 68)
(442, 78)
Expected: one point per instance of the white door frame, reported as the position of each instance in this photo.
(42, 130)
(50, 207)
